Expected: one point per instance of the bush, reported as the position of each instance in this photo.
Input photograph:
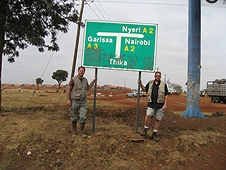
(218, 114)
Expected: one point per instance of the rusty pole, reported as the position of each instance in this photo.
(77, 40)
(194, 55)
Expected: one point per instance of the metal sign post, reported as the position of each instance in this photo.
(94, 103)
(138, 104)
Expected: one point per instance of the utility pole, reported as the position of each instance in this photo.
(194, 60)
(77, 40)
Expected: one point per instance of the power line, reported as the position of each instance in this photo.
(88, 3)
(138, 3)
(92, 10)
(44, 71)
(99, 11)
(103, 9)
(171, 4)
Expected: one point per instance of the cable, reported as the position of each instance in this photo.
(138, 3)
(99, 10)
(44, 70)
(103, 9)
(47, 65)
(93, 10)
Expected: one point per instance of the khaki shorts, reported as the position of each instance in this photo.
(158, 114)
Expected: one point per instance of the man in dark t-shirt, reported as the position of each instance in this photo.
(157, 93)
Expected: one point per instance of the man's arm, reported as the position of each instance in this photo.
(166, 98)
(91, 84)
(141, 85)
(69, 88)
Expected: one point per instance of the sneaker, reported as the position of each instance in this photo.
(144, 132)
(83, 135)
(155, 136)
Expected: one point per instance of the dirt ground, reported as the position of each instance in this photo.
(42, 138)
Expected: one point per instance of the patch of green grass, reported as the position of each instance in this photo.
(218, 114)
(210, 128)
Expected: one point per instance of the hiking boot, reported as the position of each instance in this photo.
(144, 132)
(155, 136)
(83, 135)
(74, 128)
(82, 126)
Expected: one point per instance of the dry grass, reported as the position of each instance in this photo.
(36, 135)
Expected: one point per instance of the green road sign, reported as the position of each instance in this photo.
(116, 45)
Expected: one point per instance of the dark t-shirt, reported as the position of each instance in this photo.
(154, 95)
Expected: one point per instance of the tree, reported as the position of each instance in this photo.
(26, 22)
(172, 87)
(177, 88)
(60, 76)
(38, 81)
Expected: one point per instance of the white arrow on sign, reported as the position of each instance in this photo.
(118, 39)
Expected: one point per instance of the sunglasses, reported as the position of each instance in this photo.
(157, 76)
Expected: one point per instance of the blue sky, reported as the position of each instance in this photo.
(172, 46)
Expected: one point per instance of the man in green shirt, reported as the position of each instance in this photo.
(76, 98)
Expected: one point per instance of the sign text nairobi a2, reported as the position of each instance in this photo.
(117, 45)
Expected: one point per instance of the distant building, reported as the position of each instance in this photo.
(111, 87)
(47, 85)
(106, 87)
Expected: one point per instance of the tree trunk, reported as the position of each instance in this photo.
(37, 86)
(2, 35)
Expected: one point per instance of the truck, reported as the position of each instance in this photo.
(216, 90)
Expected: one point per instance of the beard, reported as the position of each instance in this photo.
(80, 75)
(157, 80)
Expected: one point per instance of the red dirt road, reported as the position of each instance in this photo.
(176, 103)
